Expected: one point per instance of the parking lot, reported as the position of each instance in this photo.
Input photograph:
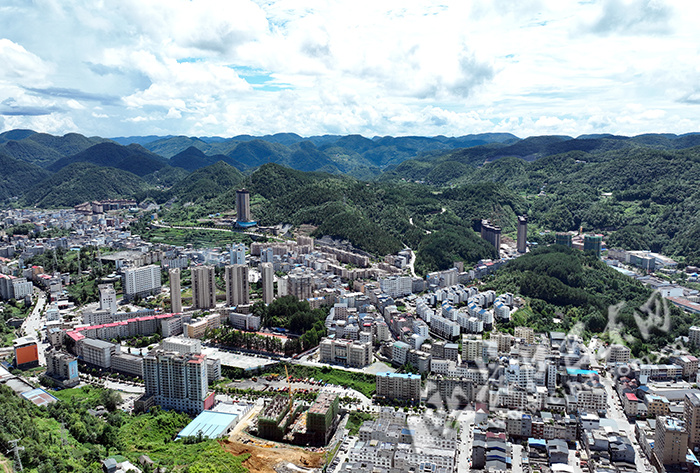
(238, 360)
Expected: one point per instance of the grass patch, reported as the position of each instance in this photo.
(86, 395)
(355, 421)
(364, 383)
(199, 238)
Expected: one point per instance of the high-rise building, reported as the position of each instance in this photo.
(203, 287)
(492, 234)
(268, 282)
(237, 253)
(522, 234)
(177, 381)
(300, 285)
(564, 239)
(108, 298)
(143, 281)
(593, 243)
(670, 441)
(175, 294)
(694, 335)
(237, 287)
(691, 416)
(242, 206)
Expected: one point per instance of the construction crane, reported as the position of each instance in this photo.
(289, 383)
(16, 449)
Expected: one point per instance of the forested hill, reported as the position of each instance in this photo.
(568, 290)
(641, 192)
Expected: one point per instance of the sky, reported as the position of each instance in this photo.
(381, 67)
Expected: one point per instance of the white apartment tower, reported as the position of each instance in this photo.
(268, 282)
(237, 253)
(143, 281)
(108, 298)
(237, 287)
(176, 381)
(175, 294)
(203, 287)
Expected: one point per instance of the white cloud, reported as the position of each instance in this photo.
(376, 68)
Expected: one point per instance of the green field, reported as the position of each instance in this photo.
(198, 238)
(364, 383)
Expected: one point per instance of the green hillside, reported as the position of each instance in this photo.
(207, 183)
(132, 158)
(80, 182)
(566, 287)
(17, 176)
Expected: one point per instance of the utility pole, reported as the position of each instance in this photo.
(16, 449)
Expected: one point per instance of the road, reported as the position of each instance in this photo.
(616, 413)
(33, 324)
(464, 451)
(411, 264)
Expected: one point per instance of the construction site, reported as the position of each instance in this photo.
(267, 431)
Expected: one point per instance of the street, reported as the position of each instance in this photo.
(33, 323)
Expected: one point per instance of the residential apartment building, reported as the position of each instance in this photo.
(198, 327)
(142, 282)
(691, 417)
(203, 287)
(352, 353)
(177, 381)
(97, 352)
(108, 298)
(63, 368)
(175, 290)
(400, 386)
(670, 441)
(128, 364)
(237, 253)
(268, 282)
(247, 322)
(237, 286)
(618, 354)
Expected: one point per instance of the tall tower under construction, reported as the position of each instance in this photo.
(242, 206)
(522, 234)
(492, 234)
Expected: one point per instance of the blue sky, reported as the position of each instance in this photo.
(228, 67)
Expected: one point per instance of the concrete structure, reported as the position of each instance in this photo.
(177, 381)
(618, 354)
(564, 239)
(237, 253)
(691, 417)
(142, 282)
(322, 417)
(237, 286)
(242, 206)
(593, 243)
(694, 335)
(492, 234)
(175, 290)
(26, 353)
(276, 417)
(248, 322)
(203, 287)
(670, 441)
(14, 288)
(522, 234)
(268, 282)
(96, 352)
(128, 364)
(199, 327)
(108, 298)
(182, 346)
(352, 353)
(62, 368)
(396, 286)
(400, 386)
